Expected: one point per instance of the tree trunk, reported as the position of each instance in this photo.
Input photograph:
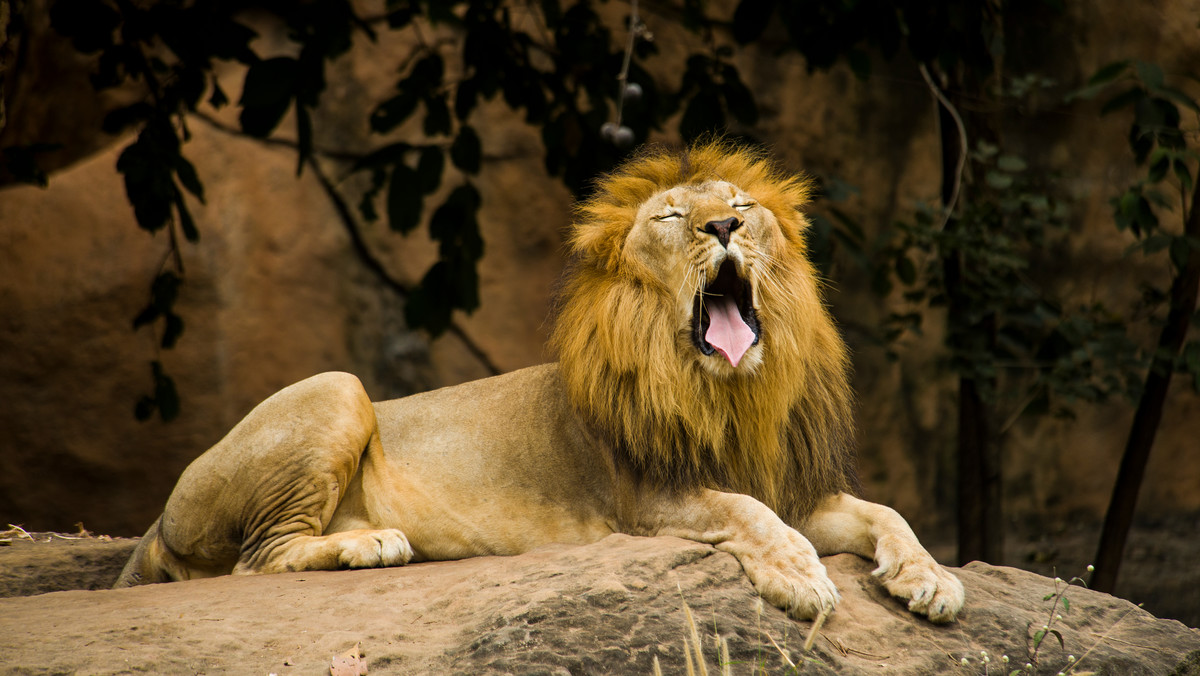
(980, 503)
(1146, 420)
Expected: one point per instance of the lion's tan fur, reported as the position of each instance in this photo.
(784, 432)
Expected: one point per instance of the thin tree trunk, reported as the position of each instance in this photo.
(980, 503)
(1149, 413)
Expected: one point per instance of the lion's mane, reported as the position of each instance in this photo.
(783, 433)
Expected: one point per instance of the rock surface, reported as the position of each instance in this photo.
(609, 607)
(37, 563)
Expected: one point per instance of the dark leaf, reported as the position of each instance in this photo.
(147, 315)
(88, 23)
(1183, 174)
(1150, 74)
(701, 116)
(437, 116)
(267, 93)
(425, 77)
(172, 329)
(188, 178)
(751, 18)
(148, 183)
(304, 136)
(464, 99)
(738, 98)
(21, 162)
(1125, 98)
(429, 305)
(429, 168)
(1180, 98)
(366, 205)
(859, 62)
(392, 112)
(467, 152)
(122, 118)
(1108, 73)
(165, 395)
(906, 270)
(1158, 169)
(185, 219)
(144, 408)
(1181, 249)
(404, 200)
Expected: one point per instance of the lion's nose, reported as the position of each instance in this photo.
(722, 229)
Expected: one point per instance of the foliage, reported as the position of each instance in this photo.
(1159, 144)
(559, 73)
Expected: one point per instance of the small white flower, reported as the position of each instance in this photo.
(1070, 658)
(965, 661)
(1004, 659)
(1091, 568)
(1058, 617)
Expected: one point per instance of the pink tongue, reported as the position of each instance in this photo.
(726, 330)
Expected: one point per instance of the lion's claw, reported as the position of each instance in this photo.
(375, 549)
(930, 589)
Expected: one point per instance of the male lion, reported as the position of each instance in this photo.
(701, 392)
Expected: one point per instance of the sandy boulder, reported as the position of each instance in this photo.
(609, 607)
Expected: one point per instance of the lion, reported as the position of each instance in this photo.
(701, 391)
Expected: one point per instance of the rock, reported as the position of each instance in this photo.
(46, 562)
(609, 607)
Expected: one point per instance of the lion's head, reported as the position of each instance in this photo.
(691, 329)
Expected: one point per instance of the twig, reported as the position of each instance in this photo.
(816, 627)
(17, 532)
(356, 241)
(635, 28)
(940, 97)
(274, 140)
(1102, 638)
(781, 652)
(376, 266)
(847, 651)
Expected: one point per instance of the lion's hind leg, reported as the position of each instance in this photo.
(844, 524)
(264, 499)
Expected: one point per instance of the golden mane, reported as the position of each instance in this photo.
(783, 433)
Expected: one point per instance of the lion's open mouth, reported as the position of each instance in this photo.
(723, 317)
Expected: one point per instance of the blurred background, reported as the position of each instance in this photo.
(203, 202)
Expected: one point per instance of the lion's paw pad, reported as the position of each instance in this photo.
(375, 549)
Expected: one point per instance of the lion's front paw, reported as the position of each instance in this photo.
(374, 549)
(793, 579)
(929, 589)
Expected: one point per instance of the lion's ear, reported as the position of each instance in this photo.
(600, 230)
(596, 243)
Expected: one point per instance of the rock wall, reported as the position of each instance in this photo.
(275, 293)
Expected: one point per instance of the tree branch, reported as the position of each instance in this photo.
(358, 244)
